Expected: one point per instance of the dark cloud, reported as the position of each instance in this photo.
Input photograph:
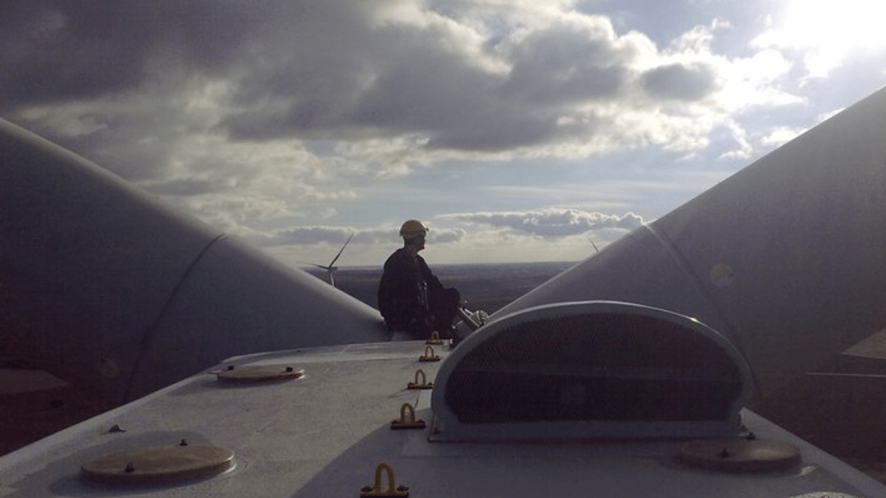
(442, 75)
(425, 88)
(504, 130)
(219, 105)
(567, 64)
(399, 78)
(56, 50)
(307, 69)
(380, 82)
(554, 223)
(679, 82)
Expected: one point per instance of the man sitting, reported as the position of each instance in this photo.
(410, 297)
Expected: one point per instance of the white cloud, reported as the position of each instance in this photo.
(781, 136)
(406, 84)
(553, 223)
(298, 122)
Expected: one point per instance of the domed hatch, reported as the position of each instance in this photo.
(587, 370)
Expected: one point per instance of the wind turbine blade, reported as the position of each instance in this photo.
(340, 251)
(595, 245)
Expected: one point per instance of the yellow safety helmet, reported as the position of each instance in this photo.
(412, 229)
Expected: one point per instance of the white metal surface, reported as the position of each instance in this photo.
(325, 434)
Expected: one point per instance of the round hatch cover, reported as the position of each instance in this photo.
(259, 373)
(160, 464)
(740, 455)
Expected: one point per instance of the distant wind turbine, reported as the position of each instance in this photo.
(592, 243)
(330, 269)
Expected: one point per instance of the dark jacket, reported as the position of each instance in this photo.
(403, 291)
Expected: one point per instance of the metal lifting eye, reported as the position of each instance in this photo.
(420, 384)
(407, 423)
(376, 489)
(435, 339)
(429, 355)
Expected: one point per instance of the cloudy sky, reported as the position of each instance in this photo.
(517, 130)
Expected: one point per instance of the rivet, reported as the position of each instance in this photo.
(129, 468)
(183, 443)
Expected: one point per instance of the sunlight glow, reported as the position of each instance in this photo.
(843, 25)
(830, 29)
